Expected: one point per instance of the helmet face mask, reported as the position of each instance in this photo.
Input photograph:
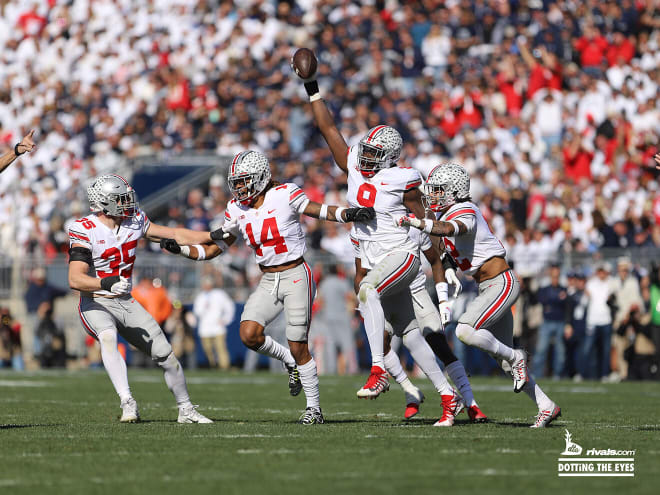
(112, 195)
(249, 174)
(435, 198)
(379, 149)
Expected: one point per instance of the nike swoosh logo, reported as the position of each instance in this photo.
(384, 184)
(296, 281)
(271, 211)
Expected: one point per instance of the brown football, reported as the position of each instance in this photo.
(304, 63)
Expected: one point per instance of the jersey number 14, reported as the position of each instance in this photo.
(270, 236)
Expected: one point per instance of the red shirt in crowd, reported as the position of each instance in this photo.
(543, 77)
(577, 165)
(591, 51)
(626, 50)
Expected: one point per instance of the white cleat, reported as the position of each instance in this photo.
(519, 370)
(129, 411)
(452, 405)
(546, 416)
(190, 414)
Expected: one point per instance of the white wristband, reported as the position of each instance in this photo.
(315, 96)
(455, 225)
(324, 212)
(338, 212)
(185, 251)
(201, 254)
(442, 289)
(428, 226)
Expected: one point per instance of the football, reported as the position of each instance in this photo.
(304, 63)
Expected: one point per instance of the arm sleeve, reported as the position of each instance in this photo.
(298, 200)
(234, 229)
(146, 223)
(79, 236)
(470, 222)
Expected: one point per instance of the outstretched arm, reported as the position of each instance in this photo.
(198, 252)
(182, 236)
(436, 227)
(25, 145)
(338, 213)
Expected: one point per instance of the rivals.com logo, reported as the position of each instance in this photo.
(601, 462)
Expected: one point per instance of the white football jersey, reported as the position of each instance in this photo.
(113, 250)
(423, 241)
(273, 230)
(473, 249)
(384, 192)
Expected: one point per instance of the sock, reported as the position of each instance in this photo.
(484, 340)
(456, 372)
(277, 351)
(310, 382)
(394, 368)
(114, 364)
(537, 395)
(424, 357)
(175, 379)
(374, 324)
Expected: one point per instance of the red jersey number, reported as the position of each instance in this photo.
(88, 224)
(270, 237)
(463, 263)
(366, 194)
(116, 256)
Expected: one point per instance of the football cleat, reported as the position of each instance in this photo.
(413, 400)
(452, 405)
(476, 416)
(519, 370)
(377, 383)
(190, 414)
(311, 416)
(295, 385)
(129, 411)
(546, 416)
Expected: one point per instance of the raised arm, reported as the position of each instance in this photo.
(304, 65)
(25, 145)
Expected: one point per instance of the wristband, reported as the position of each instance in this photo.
(315, 97)
(201, 254)
(455, 225)
(442, 289)
(108, 282)
(16, 149)
(324, 212)
(312, 88)
(338, 213)
(428, 226)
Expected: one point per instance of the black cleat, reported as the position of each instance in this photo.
(311, 416)
(295, 385)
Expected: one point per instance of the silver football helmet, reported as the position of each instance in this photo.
(249, 174)
(445, 185)
(112, 195)
(380, 148)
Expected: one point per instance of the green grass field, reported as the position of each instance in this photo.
(59, 433)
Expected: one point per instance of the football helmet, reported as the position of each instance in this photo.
(445, 185)
(249, 174)
(112, 195)
(380, 148)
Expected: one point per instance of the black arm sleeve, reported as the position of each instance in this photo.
(81, 254)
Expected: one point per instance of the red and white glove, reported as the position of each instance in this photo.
(408, 221)
(445, 312)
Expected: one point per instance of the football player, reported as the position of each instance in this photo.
(389, 259)
(104, 243)
(487, 322)
(267, 215)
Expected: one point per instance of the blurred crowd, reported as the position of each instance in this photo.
(551, 105)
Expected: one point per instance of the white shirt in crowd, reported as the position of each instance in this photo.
(599, 291)
(214, 310)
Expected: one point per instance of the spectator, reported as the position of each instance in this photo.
(10, 341)
(39, 291)
(553, 298)
(576, 317)
(51, 336)
(179, 329)
(151, 294)
(24, 146)
(214, 311)
(597, 343)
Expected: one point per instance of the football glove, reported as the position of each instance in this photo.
(359, 214)
(170, 245)
(445, 312)
(452, 279)
(116, 284)
(407, 221)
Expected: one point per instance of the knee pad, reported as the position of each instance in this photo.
(160, 348)
(464, 332)
(296, 325)
(366, 289)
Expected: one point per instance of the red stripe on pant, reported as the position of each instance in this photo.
(88, 329)
(394, 277)
(310, 294)
(498, 304)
